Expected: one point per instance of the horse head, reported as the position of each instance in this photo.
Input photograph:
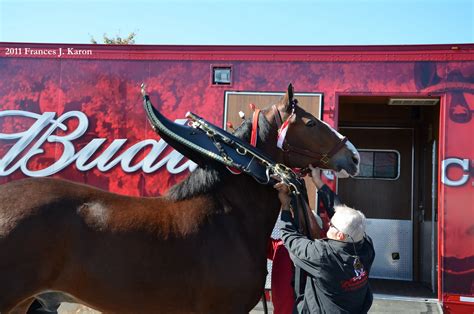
(305, 139)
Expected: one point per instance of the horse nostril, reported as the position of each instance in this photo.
(355, 160)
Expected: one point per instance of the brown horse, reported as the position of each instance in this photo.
(199, 249)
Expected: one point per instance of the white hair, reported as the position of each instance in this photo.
(349, 221)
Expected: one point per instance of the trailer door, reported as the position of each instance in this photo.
(383, 192)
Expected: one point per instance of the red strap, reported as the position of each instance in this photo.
(253, 138)
(233, 170)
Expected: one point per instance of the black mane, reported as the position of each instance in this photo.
(206, 180)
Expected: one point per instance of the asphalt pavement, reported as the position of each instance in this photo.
(382, 304)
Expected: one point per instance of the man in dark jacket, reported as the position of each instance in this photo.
(337, 267)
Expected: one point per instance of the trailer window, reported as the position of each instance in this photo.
(221, 75)
(379, 164)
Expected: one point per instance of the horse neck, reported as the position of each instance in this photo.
(258, 204)
(254, 205)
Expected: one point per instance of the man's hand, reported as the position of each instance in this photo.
(283, 195)
(316, 177)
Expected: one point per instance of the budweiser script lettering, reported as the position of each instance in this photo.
(29, 144)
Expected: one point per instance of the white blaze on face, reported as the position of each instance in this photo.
(350, 147)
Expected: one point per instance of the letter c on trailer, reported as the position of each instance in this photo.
(463, 163)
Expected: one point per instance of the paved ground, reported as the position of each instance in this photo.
(390, 296)
(404, 305)
(71, 308)
(381, 305)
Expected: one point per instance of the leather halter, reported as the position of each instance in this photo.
(322, 159)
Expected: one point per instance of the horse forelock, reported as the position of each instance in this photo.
(206, 180)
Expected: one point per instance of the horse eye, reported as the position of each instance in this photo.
(310, 123)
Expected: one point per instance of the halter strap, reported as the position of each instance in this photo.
(322, 159)
(277, 116)
(279, 123)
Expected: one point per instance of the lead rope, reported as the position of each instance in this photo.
(300, 205)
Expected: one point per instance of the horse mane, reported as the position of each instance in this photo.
(206, 180)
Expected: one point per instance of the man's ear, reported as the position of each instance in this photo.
(340, 236)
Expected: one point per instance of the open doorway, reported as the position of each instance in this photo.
(396, 188)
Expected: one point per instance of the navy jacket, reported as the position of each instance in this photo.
(333, 284)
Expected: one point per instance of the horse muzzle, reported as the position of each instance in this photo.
(347, 162)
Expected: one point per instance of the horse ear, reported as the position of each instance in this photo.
(288, 98)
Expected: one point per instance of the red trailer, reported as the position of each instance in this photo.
(75, 112)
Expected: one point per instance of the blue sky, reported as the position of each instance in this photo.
(257, 22)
